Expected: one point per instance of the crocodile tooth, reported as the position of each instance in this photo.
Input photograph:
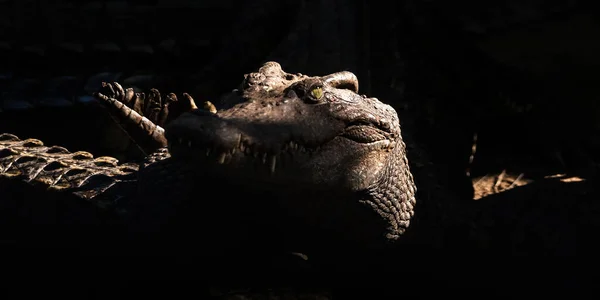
(233, 150)
(273, 163)
(221, 158)
(189, 144)
(242, 147)
(264, 158)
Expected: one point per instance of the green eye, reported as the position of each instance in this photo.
(317, 93)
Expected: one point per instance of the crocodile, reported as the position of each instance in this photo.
(302, 158)
(287, 162)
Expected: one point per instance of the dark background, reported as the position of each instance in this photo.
(521, 75)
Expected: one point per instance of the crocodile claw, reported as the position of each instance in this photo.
(143, 115)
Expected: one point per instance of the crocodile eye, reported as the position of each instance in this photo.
(317, 93)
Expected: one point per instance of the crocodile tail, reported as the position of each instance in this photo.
(57, 169)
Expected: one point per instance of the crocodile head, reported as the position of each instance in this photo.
(322, 149)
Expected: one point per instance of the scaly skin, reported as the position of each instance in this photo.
(57, 169)
(303, 162)
(312, 134)
(328, 159)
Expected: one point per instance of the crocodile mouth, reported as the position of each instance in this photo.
(211, 141)
(242, 154)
